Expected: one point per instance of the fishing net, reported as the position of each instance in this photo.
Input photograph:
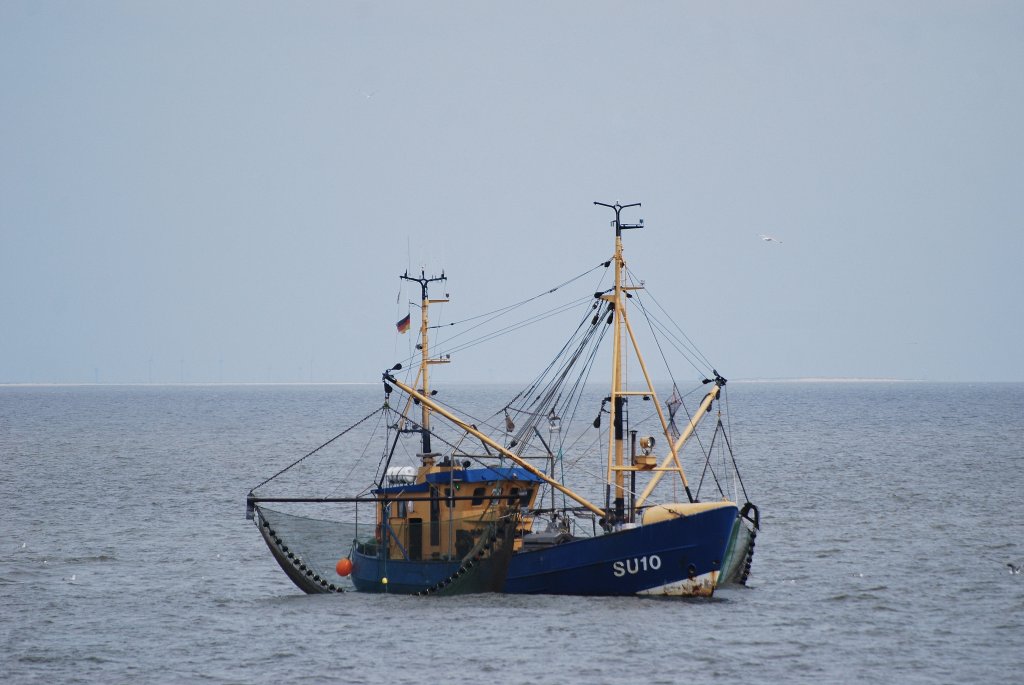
(308, 548)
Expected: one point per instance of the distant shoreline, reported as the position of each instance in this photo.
(737, 381)
(197, 384)
(842, 379)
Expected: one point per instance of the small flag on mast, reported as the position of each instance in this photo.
(403, 325)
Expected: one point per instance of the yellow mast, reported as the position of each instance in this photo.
(619, 395)
(616, 442)
(617, 433)
(425, 361)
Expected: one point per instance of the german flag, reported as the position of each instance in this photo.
(403, 325)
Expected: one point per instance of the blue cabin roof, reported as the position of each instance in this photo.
(485, 475)
(482, 475)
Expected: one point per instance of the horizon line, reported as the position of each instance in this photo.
(795, 379)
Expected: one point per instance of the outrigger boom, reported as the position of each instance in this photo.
(519, 461)
(674, 452)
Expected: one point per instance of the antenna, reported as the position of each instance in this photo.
(619, 226)
(423, 280)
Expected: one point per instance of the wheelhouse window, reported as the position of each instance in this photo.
(478, 496)
(524, 498)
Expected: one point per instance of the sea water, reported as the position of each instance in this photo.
(889, 514)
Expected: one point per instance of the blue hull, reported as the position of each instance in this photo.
(648, 559)
(680, 556)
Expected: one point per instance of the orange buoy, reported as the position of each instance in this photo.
(344, 567)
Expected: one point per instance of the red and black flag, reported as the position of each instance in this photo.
(403, 325)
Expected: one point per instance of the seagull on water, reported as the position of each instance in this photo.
(769, 239)
(1015, 570)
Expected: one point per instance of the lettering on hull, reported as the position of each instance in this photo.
(636, 565)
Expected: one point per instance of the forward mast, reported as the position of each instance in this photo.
(422, 382)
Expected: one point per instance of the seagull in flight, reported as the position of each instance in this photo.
(769, 239)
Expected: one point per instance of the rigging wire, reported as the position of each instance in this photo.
(516, 326)
(707, 465)
(509, 329)
(494, 314)
(546, 400)
(502, 310)
(657, 340)
(553, 399)
(362, 454)
(309, 454)
(689, 343)
(735, 466)
(657, 326)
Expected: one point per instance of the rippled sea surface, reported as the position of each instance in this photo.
(889, 513)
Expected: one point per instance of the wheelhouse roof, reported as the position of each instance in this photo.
(481, 475)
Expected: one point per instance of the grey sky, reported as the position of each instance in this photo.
(228, 191)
